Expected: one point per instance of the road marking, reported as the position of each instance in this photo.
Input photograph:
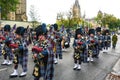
(3, 69)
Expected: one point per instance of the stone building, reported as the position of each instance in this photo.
(20, 13)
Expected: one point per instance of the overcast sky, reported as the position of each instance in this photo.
(48, 9)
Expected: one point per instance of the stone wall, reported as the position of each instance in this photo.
(12, 23)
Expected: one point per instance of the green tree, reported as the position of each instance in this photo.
(118, 23)
(8, 6)
(110, 21)
(107, 20)
(99, 18)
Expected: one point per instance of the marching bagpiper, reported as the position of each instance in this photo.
(7, 52)
(107, 40)
(65, 42)
(58, 45)
(43, 58)
(100, 39)
(20, 50)
(92, 45)
(79, 49)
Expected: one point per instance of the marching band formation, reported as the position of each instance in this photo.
(47, 46)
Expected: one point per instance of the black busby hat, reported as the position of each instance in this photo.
(20, 30)
(38, 30)
(41, 30)
(98, 29)
(91, 31)
(55, 27)
(7, 28)
(107, 31)
(78, 31)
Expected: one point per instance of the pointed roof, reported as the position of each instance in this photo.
(77, 3)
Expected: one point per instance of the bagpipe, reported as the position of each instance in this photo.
(15, 51)
(91, 47)
(5, 42)
(79, 50)
(14, 48)
(91, 44)
(17, 47)
(2, 38)
(37, 55)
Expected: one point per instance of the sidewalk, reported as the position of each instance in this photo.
(116, 67)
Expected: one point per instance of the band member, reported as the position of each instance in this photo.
(114, 41)
(43, 58)
(7, 52)
(79, 49)
(57, 46)
(20, 53)
(64, 42)
(100, 39)
(92, 45)
(107, 40)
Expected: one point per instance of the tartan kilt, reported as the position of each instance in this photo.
(83, 56)
(50, 66)
(59, 51)
(23, 60)
(94, 53)
(9, 53)
(100, 46)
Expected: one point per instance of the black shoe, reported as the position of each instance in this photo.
(13, 76)
(78, 69)
(74, 68)
(22, 75)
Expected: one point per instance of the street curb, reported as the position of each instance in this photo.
(116, 67)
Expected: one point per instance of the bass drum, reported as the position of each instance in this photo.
(66, 44)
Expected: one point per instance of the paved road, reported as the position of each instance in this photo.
(64, 69)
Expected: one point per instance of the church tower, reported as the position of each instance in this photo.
(76, 10)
